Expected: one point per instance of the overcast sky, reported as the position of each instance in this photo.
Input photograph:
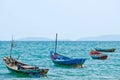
(71, 19)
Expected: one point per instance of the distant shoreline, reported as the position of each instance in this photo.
(97, 38)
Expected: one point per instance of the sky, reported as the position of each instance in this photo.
(71, 19)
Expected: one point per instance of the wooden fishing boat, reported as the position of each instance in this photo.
(63, 60)
(98, 55)
(105, 50)
(18, 67)
(15, 66)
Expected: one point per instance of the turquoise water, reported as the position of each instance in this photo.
(37, 53)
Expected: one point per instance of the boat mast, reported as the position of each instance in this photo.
(11, 47)
(56, 43)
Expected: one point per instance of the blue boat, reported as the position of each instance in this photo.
(63, 60)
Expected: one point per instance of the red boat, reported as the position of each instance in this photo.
(98, 55)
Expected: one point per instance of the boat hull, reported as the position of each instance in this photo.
(69, 62)
(72, 62)
(105, 50)
(100, 57)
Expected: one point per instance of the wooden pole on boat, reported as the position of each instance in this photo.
(56, 43)
(11, 47)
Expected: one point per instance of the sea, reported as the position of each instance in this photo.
(37, 53)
